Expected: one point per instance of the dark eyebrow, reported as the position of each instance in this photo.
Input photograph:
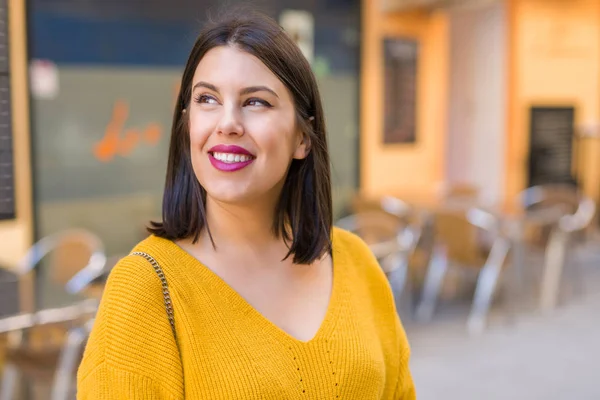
(245, 91)
(207, 85)
(254, 89)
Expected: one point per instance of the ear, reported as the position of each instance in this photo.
(303, 148)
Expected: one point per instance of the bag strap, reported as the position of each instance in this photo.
(165, 287)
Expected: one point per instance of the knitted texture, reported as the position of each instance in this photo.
(225, 349)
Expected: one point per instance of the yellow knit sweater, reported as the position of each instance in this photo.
(228, 350)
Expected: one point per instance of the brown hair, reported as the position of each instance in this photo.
(303, 216)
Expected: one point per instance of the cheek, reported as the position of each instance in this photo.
(199, 130)
(275, 135)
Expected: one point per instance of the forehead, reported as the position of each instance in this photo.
(229, 66)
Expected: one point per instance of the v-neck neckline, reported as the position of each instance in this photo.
(213, 282)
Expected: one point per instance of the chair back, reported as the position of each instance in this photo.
(459, 191)
(374, 227)
(461, 232)
(75, 258)
(578, 209)
(551, 195)
(453, 230)
(581, 218)
(389, 226)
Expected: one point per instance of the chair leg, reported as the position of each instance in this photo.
(574, 258)
(398, 278)
(398, 275)
(555, 258)
(486, 286)
(10, 381)
(518, 270)
(436, 272)
(68, 361)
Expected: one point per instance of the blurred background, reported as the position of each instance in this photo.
(465, 146)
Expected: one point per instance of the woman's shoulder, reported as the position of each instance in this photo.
(350, 244)
(136, 273)
(357, 254)
(152, 247)
(131, 330)
(362, 269)
(131, 282)
(133, 298)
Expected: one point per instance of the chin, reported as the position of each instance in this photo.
(228, 198)
(241, 192)
(229, 195)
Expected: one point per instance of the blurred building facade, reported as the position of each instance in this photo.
(485, 70)
(100, 133)
(93, 118)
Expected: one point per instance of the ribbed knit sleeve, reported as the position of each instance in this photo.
(405, 387)
(393, 334)
(131, 352)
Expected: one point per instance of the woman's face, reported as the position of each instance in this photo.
(242, 123)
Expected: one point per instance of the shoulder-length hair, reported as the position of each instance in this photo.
(303, 216)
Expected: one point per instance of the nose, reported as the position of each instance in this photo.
(230, 122)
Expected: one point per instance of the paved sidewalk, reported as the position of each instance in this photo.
(551, 357)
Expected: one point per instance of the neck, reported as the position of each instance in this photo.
(238, 227)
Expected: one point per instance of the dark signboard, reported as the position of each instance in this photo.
(400, 90)
(551, 145)
(7, 192)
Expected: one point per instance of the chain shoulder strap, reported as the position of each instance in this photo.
(165, 287)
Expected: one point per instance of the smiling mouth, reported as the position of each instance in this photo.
(231, 158)
(229, 162)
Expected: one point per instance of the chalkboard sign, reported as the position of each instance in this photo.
(400, 90)
(551, 146)
(7, 192)
(9, 292)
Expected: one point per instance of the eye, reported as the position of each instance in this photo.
(205, 99)
(256, 102)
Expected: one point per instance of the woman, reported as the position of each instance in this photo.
(268, 301)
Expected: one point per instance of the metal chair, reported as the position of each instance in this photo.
(75, 258)
(76, 338)
(456, 244)
(390, 236)
(459, 191)
(578, 214)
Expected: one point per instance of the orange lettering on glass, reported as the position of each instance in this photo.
(115, 141)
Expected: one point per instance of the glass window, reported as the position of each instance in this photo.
(100, 131)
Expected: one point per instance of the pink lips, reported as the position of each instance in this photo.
(229, 166)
